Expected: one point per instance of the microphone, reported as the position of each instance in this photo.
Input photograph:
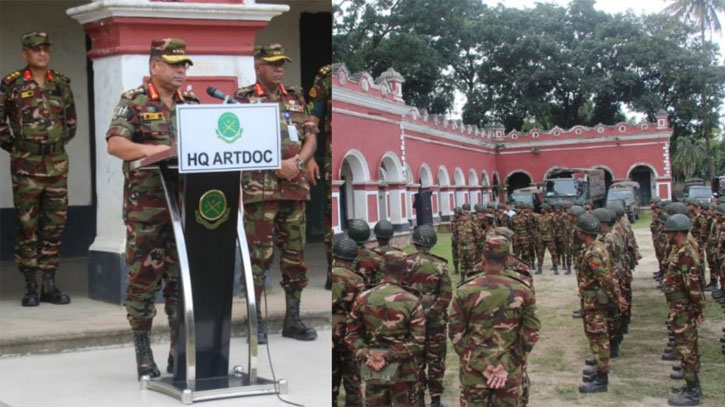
(217, 94)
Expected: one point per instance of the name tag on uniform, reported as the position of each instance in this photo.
(292, 131)
(152, 116)
(27, 94)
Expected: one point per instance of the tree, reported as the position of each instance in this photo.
(689, 154)
(704, 13)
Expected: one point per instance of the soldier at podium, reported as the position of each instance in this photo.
(144, 123)
(274, 201)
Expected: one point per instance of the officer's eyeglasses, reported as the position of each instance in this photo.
(40, 48)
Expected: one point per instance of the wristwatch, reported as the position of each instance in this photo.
(300, 164)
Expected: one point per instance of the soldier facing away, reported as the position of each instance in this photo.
(428, 276)
(386, 332)
(275, 200)
(346, 285)
(144, 123)
(37, 120)
(493, 327)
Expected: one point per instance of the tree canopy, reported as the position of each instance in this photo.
(542, 67)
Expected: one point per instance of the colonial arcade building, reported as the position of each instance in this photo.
(393, 161)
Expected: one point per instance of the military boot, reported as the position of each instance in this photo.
(455, 268)
(30, 299)
(677, 375)
(421, 398)
(436, 402)
(556, 270)
(577, 313)
(590, 362)
(568, 269)
(614, 348)
(598, 385)
(712, 286)
(172, 348)
(293, 326)
(669, 356)
(679, 389)
(538, 270)
(50, 293)
(145, 365)
(689, 397)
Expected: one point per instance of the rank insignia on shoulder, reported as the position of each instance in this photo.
(27, 94)
(11, 77)
(313, 92)
(152, 116)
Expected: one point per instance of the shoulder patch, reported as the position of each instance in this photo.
(325, 70)
(130, 94)
(61, 75)
(242, 92)
(12, 76)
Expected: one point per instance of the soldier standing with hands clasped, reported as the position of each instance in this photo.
(275, 200)
(37, 120)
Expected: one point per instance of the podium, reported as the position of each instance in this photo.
(207, 221)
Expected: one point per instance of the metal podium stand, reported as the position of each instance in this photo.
(205, 373)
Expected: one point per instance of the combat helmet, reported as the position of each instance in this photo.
(677, 223)
(358, 231)
(704, 205)
(587, 223)
(617, 208)
(345, 248)
(383, 229)
(425, 235)
(719, 209)
(602, 215)
(466, 207)
(576, 210)
(457, 210)
(478, 208)
(656, 199)
(678, 207)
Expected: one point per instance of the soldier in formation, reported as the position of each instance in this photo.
(367, 263)
(386, 333)
(546, 238)
(37, 120)
(143, 124)
(427, 276)
(597, 290)
(455, 222)
(493, 327)
(576, 250)
(468, 234)
(346, 286)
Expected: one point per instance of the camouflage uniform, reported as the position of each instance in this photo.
(428, 275)
(36, 122)
(346, 285)
(532, 226)
(547, 229)
(561, 235)
(614, 246)
(493, 320)
(521, 239)
(151, 252)
(711, 240)
(655, 228)
(389, 319)
(683, 290)
(596, 281)
(321, 106)
(455, 222)
(272, 203)
(468, 235)
(369, 264)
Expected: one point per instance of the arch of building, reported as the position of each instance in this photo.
(445, 194)
(474, 188)
(461, 192)
(517, 179)
(646, 175)
(352, 196)
(425, 176)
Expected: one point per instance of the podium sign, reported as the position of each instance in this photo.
(230, 137)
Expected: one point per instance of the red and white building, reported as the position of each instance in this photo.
(385, 152)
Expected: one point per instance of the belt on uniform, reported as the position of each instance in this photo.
(41, 149)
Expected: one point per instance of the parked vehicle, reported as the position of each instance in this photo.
(627, 192)
(576, 185)
(718, 186)
(699, 192)
(529, 195)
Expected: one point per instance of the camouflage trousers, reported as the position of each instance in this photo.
(541, 247)
(287, 218)
(615, 323)
(659, 249)
(346, 369)
(524, 250)
(400, 394)
(41, 210)
(151, 257)
(434, 357)
(525, 386)
(597, 333)
(562, 248)
(508, 396)
(713, 261)
(466, 260)
(685, 333)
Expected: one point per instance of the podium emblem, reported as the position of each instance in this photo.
(212, 210)
(228, 127)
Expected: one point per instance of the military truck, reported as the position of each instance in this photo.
(718, 186)
(626, 191)
(576, 185)
(529, 195)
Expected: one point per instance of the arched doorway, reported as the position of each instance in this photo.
(354, 169)
(460, 194)
(444, 181)
(485, 197)
(474, 191)
(646, 177)
(496, 187)
(423, 200)
(516, 180)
